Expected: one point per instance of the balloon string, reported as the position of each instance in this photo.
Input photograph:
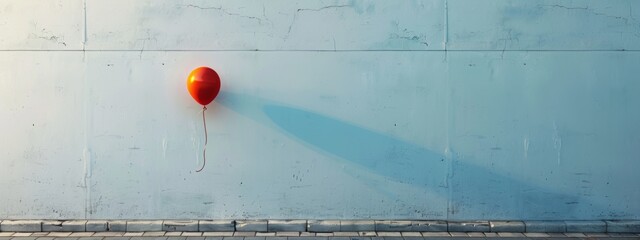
(204, 151)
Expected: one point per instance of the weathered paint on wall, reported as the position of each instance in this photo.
(348, 109)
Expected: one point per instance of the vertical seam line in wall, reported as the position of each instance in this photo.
(84, 35)
(446, 27)
(87, 121)
(448, 154)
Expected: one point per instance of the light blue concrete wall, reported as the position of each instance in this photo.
(441, 109)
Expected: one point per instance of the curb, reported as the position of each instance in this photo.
(608, 226)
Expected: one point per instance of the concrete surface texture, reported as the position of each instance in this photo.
(362, 109)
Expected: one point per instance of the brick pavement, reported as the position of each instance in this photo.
(161, 235)
(312, 229)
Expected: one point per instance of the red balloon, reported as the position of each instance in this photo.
(203, 84)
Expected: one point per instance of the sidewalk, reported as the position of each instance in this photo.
(302, 235)
(312, 229)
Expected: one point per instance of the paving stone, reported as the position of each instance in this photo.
(411, 234)
(147, 238)
(345, 234)
(323, 225)
(389, 234)
(436, 234)
(133, 234)
(117, 226)
(191, 234)
(39, 234)
(307, 238)
(217, 234)
(556, 234)
(596, 234)
(324, 234)
(358, 238)
(630, 226)
(232, 238)
(585, 226)
(180, 238)
(476, 234)
(528, 234)
(357, 226)
(473, 226)
(209, 238)
(117, 238)
(68, 238)
(306, 234)
(510, 234)
(180, 226)
(153, 234)
(172, 234)
(265, 234)
(196, 238)
(108, 234)
(506, 226)
(81, 234)
(575, 235)
(90, 238)
(287, 225)
(392, 226)
(22, 234)
(25, 238)
(6, 234)
(622, 235)
(392, 238)
(58, 234)
(244, 234)
(47, 238)
(413, 238)
(21, 226)
(428, 226)
(254, 238)
(143, 225)
(545, 226)
(489, 234)
(340, 238)
(458, 234)
(367, 234)
(251, 225)
(287, 234)
(217, 226)
(97, 226)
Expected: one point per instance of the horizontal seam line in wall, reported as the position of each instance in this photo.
(347, 50)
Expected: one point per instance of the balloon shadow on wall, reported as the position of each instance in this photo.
(473, 191)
